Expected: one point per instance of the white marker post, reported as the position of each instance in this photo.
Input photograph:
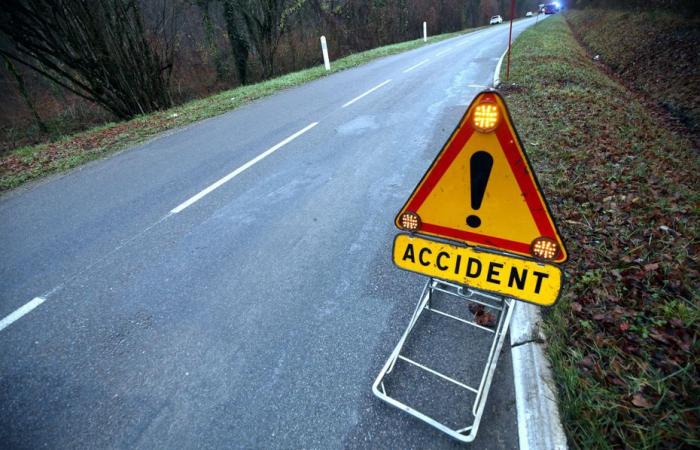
(324, 49)
(425, 32)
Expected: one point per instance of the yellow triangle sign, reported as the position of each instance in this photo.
(481, 189)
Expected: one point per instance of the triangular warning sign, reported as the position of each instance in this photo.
(481, 190)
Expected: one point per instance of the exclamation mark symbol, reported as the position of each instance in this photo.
(480, 168)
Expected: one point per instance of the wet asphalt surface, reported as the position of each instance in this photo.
(259, 316)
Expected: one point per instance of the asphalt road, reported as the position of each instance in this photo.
(259, 314)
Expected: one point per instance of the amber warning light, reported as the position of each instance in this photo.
(486, 117)
(410, 221)
(544, 248)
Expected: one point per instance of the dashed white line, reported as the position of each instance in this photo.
(416, 66)
(366, 93)
(22, 311)
(240, 170)
(463, 41)
(444, 51)
(478, 86)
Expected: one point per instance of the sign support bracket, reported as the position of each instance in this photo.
(502, 306)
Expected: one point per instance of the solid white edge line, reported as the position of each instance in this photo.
(366, 93)
(416, 66)
(497, 72)
(21, 311)
(240, 170)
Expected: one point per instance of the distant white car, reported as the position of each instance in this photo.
(495, 20)
(528, 14)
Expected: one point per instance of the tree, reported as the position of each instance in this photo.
(488, 8)
(238, 38)
(258, 24)
(100, 50)
(23, 92)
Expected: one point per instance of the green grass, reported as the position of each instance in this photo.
(28, 163)
(654, 51)
(624, 341)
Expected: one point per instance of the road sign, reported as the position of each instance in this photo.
(481, 190)
(527, 280)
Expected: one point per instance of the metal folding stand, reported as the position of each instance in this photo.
(504, 308)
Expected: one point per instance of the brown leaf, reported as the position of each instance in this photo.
(676, 323)
(485, 319)
(640, 401)
(657, 336)
(587, 361)
(651, 267)
(576, 306)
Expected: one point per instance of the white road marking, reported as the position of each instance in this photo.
(366, 93)
(240, 170)
(18, 313)
(478, 86)
(416, 66)
(444, 51)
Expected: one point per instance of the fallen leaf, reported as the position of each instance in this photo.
(676, 323)
(651, 267)
(481, 316)
(640, 401)
(587, 361)
(655, 335)
(475, 308)
(485, 319)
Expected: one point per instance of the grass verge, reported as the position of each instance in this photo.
(31, 162)
(624, 341)
(654, 52)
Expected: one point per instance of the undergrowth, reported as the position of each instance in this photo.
(654, 52)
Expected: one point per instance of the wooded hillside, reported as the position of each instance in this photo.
(71, 64)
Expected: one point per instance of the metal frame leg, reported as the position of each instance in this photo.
(501, 304)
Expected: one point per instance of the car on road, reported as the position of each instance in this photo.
(528, 14)
(551, 8)
(495, 20)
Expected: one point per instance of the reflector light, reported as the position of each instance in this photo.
(544, 248)
(410, 221)
(486, 117)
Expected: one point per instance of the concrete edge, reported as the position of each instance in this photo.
(539, 423)
(497, 72)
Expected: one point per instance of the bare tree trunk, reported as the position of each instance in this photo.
(23, 92)
(237, 38)
(265, 22)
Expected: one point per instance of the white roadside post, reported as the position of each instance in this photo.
(324, 49)
(425, 32)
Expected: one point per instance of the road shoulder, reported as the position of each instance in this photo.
(622, 183)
